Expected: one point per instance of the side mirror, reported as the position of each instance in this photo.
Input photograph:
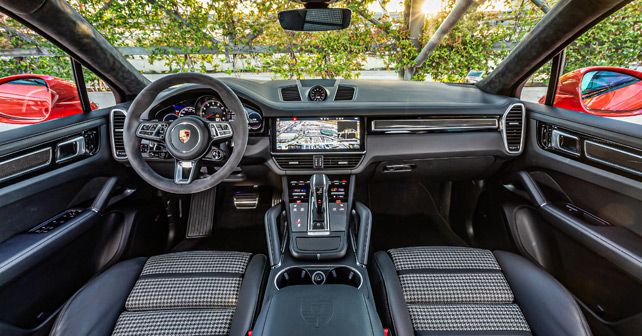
(315, 19)
(24, 100)
(612, 92)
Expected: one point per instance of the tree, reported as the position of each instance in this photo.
(244, 36)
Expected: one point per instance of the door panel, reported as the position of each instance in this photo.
(580, 218)
(53, 235)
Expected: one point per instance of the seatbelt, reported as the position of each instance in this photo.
(201, 214)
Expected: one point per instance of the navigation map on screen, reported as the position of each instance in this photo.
(318, 134)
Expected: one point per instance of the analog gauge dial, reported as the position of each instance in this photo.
(185, 111)
(254, 118)
(318, 93)
(213, 110)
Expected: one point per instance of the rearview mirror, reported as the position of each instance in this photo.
(315, 19)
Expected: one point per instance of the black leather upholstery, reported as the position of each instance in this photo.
(250, 295)
(101, 304)
(390, 301)
(95, 308)
(547, 307)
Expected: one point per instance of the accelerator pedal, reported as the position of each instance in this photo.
(201, 214)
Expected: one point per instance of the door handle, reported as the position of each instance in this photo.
(565, 142)
(70, 149)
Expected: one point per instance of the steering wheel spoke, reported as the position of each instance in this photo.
(185, 171)
(220, 131)
(152, 130)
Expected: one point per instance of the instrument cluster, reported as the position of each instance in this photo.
(210, 108)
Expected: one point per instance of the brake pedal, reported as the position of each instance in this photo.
(201, 214)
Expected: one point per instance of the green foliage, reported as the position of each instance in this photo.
(236, 36)
(613, 42)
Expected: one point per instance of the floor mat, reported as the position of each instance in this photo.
(393, 231)
(234, 230)
(405, 214)
(242, 240)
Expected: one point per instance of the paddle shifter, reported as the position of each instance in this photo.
(319, 222)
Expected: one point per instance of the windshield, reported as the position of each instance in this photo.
(243, 38)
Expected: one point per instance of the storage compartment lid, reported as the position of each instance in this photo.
(318, 310)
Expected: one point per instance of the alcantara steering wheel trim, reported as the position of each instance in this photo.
(144, 101)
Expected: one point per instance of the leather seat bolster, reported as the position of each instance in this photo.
(95, 308)
(547, 306)
(386, 286)
(249, 295)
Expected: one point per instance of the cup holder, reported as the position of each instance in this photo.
(340, 275)
(293, 276)
(344, 276)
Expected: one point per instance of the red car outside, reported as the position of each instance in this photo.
(32, 99)
(603, 91)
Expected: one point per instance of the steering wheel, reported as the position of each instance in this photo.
(187, 139)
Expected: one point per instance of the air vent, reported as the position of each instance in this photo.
(290, 93)
(330, 161)
(344, 93)
(117, 124)
(341, 161)
(295, 162)
(513, 128)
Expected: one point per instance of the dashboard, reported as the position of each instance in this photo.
(358, 126)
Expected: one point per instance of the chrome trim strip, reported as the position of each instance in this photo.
(112, 131)
(608, 163)
(503, 128)
(28, 170)
(405, 125)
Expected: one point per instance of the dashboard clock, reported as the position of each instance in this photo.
(318, 93)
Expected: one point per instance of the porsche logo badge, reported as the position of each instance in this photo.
(183, 135)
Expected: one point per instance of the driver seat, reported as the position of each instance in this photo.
(184, 293)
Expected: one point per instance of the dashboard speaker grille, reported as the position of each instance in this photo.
(330, 161)
(117, 125)
(513, 128)
(290, 93)
(344, 93)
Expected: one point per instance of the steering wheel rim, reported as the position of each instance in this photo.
(143, 102)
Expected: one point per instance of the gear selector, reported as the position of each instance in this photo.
(319, 203)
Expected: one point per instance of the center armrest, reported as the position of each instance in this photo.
(318, 310)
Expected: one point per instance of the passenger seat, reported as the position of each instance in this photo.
(468, 291)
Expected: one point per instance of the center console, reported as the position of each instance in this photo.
(318, 215)
(318, 236)
(318, 240)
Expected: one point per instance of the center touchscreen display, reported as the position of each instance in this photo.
(318, 134)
